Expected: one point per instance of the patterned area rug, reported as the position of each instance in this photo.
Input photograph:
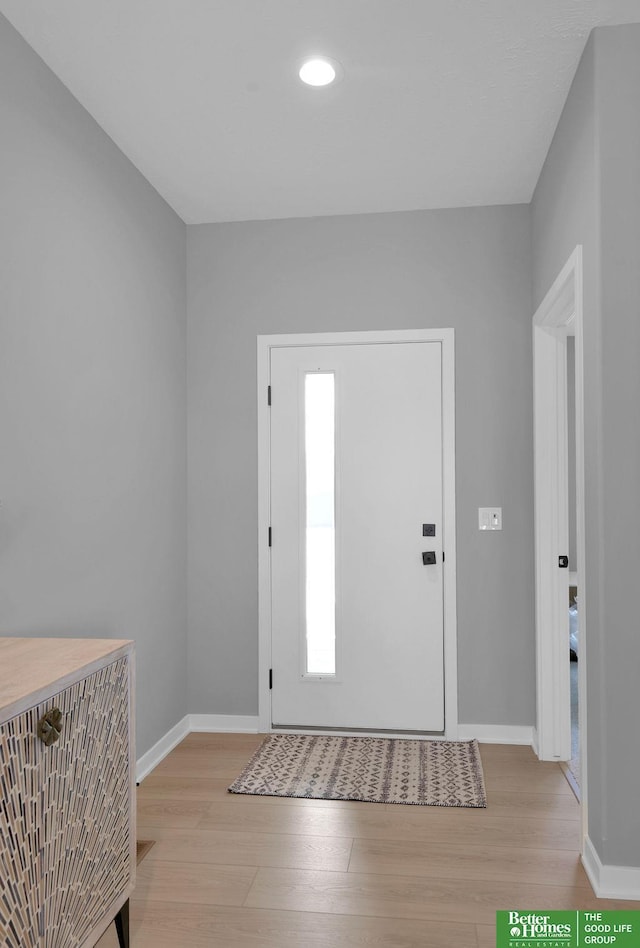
(370, 769)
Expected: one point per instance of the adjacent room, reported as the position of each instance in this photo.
(318, 469)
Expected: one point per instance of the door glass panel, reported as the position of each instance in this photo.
(320, 580)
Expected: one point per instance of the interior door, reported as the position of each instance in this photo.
(356, 554)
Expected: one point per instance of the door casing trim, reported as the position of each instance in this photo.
(264, 345)
(559, 315)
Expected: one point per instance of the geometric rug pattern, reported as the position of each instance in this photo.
(368, 769)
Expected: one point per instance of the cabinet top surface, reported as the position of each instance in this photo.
(29, 667)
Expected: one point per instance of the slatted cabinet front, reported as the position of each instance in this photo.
(65, 814)
(20, 832)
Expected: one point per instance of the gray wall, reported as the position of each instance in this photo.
(469, 269)
(92, 389)
(589, 193)
(618, 108)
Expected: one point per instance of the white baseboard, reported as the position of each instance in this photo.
(248, 724)
(496, 733)
(212, 723)
(534, 741)
(161, 748)
(224, 723)
(610, 882)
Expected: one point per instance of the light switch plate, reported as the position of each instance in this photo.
(489, 518)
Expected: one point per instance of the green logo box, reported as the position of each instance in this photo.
(529, 929)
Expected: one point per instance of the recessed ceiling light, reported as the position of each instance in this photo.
(319, 71)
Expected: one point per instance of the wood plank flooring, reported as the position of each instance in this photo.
(238, 871)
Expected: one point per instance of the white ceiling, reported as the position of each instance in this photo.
(443, 103)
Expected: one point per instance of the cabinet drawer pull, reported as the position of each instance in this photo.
(50, 726)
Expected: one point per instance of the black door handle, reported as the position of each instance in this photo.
(428, 559)
(563, 562)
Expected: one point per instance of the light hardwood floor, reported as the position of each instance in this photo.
(269, 872)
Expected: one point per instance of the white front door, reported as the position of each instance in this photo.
(357, 523)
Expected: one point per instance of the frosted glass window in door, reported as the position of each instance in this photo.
(320, 552)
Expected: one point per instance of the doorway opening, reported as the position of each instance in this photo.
(572, 766)
(560, 548)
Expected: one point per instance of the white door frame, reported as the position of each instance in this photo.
(265, 344)
(559, 315)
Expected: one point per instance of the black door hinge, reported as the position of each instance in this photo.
(269, 536)
(268, 394)
(270, 679)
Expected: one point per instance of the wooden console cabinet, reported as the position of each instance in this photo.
(67, 785)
